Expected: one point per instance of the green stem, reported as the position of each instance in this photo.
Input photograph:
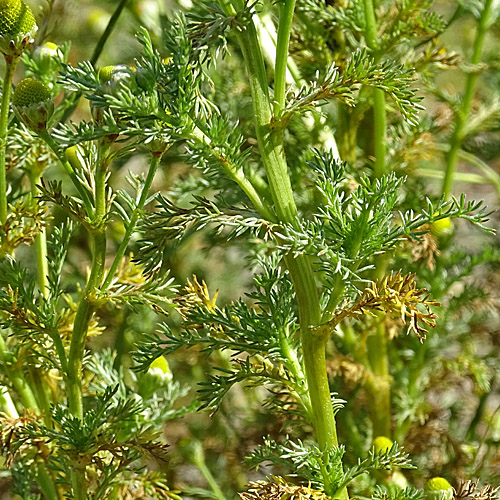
(199, 460)
(85, 312)
(378, 384)
(41, 239)
(271, 144)
(237, 175)
(46, 483)
(16, 377)
(10, 66)
(463, 113)
(69, 170)
(6, 403)
(285, 24)
(107, 32)
(155, 161)
(379, 112)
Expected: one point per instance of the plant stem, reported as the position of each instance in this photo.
(107, 32)
(16, 377)
(69, 170)
(463, 113)
(285, 24)
(46, 483)
(41, 239)
(85, 312)
(198, 458)
(271, 144)
(6, 403)
(155, 161)
(10, 66)
(237, 175)
(378, 385)
(379, 113)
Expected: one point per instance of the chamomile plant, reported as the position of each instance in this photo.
(295, 135)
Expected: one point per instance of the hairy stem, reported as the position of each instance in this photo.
(463, 113)
(10, 66)
(271, 144)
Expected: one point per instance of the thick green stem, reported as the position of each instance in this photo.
(155, 160)
(463, 113)
(10, 66)
(46, 483)
(271, 144)
(378, 383)
(69, 170)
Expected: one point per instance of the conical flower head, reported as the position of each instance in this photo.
(33, 103)
(17, 27)
(438, 488)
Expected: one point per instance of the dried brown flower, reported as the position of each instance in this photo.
(468, 490)
(276, 488)
(396, 295)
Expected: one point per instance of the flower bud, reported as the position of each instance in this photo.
(48, 58)
(33, 103)
(113, 78)
(17, 27)
(382, 444)
(160, 368)
(442, 227)
(438, 488)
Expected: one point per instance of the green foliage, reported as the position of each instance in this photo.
(250, 217)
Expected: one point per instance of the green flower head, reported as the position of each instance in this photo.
(33, 103)
(438, 488)
(17, 27)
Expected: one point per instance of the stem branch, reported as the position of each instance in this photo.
(463, 113)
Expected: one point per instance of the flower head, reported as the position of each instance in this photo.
(17, 27)
(33, 103)
(438, 488)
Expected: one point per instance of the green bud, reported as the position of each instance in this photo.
(48, 57)
(382, 444)
(160, 368)
(113, 78)
(438, 488)
(17, 27)
(33, 103)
